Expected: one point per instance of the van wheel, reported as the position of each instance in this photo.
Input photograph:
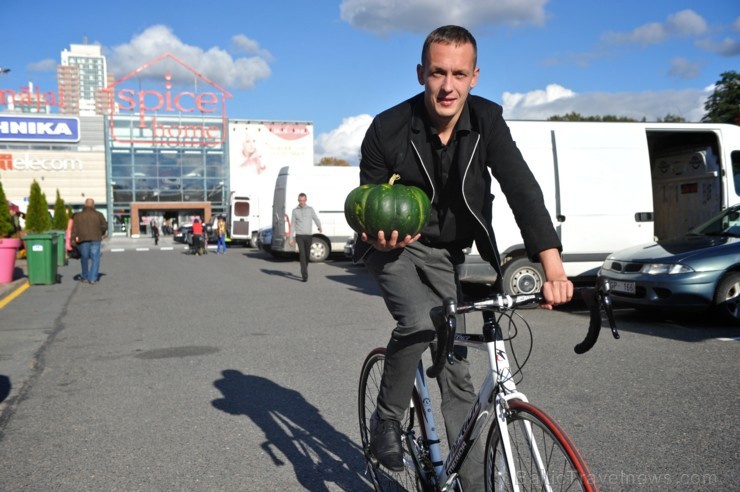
(727, 298)
(319, 250)
(521, 276)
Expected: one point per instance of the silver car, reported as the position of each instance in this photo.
(698, 271)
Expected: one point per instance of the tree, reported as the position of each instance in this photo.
(573, 116)
(6, 224)
(60, 214)
(672, 118)
(37, 214)
(723, 105)
(333, 161)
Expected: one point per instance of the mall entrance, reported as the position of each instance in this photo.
(172, 213)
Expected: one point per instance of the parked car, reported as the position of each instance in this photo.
(698, 271)
(349, 246)
(264, 239)
(183, 233)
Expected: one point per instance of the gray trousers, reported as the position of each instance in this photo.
(413, 280)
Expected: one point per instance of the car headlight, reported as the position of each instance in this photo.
(665, 268)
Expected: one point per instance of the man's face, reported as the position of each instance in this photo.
(302, 201)
(448, 74)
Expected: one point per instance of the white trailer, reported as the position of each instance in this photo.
(238, 220)
(326, 188)
(609, 186)
(257, 152)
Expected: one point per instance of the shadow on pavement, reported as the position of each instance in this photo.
(5, 387)
(294, 431)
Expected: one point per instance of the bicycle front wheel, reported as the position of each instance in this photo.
(412, 433)
(544, 458)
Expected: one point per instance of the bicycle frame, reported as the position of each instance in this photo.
(499, 382)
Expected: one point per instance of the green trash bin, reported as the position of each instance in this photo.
(61, 247)
(41, 254)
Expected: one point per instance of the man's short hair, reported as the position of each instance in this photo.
(449, 35)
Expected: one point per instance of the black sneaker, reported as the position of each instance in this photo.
(385, 445)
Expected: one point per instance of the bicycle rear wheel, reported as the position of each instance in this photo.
(534, 438)
(382, 478)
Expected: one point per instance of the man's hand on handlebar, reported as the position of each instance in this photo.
(382, 244)
(557, 292)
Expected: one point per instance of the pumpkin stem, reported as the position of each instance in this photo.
(394, 178)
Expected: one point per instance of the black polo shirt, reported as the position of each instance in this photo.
(450, 222)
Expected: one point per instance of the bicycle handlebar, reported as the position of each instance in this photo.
(597, 299)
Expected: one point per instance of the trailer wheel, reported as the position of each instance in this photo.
(319, 250)
(521, 276)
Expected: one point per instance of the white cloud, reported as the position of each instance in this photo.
(557, 100)
(736, 25)
(421, 16)
(243, 44)
(727, 47)
(685, 23)
(552, 92)
(682, 68)
(214, 63)
(47, 65)
(343, 142)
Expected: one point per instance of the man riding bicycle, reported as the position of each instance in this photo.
(445, 141)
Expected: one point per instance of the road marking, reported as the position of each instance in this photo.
(169, 248)
(732, 339)
(14, 294)
(116, 250)
(142, 249)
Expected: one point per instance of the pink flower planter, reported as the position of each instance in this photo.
(8, 250)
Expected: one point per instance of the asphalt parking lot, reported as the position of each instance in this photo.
(227, 373)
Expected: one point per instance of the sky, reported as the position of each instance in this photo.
(338, 63)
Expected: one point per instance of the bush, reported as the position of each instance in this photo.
(60, 214)
(37, 214)
(6, 223)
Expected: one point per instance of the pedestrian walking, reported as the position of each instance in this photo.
(301, 231)
(88, 229)
(221, 232)
(155, 232)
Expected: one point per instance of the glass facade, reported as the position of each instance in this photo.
(170, 175)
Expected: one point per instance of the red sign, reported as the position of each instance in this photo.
(162, 101)
(6, 162)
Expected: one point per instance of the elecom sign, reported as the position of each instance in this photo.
(165, 116)
(28, 162)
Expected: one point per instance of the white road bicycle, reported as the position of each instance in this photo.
(525, 450)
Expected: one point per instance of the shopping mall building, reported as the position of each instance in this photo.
(160, 153)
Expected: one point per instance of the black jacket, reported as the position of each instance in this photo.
(396, 142)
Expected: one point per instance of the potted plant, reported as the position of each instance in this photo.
(9, 241)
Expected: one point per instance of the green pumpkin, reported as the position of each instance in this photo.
(387, 208)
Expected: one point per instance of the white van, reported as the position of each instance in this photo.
(326, 188)
(609, 186)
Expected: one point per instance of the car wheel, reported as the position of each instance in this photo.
(319, 250)
(727, 298)
(521, 276)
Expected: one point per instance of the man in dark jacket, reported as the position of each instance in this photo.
(445, 142)
(88, 229)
